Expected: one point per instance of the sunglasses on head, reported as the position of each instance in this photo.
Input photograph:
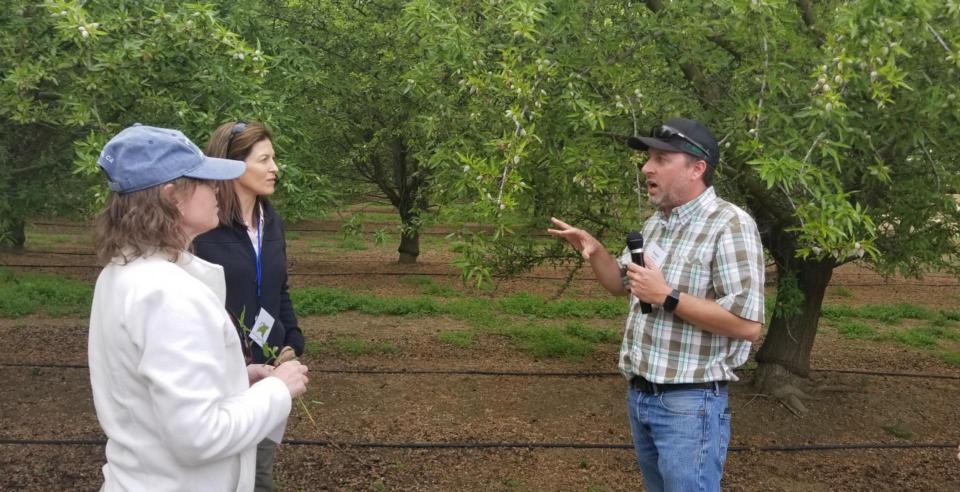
(664, 132)
(237, 128)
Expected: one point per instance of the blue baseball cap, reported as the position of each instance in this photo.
(141, 156)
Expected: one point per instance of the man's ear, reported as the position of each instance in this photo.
(699, 168)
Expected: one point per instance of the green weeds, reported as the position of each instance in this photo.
(535, 306)
(841, 291)
(939, 333)
(950, 357)
(593, 335)
(897, 431)
(351, 244)
(571, 340)
(22, 294)
(856, 330)
(325, 300)
(429, 287)
(44, 240)
(461, 339)
(512, 483)
(887, 313)
(924, 337)
(547, 341)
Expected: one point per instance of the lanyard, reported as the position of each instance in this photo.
(258, 249)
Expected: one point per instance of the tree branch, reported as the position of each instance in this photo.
(810, 20)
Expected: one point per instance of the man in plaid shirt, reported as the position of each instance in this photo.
(704, 279)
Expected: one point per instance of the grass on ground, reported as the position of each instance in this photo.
(38, 240)
(939, 333)
(350, 345)
(22, 294)
(527, 319)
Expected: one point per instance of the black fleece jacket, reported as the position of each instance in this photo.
(230, 246)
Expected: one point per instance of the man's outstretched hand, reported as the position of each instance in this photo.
(580, 239)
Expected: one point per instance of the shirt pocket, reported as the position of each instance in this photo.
(694, 275)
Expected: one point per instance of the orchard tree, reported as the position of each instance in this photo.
(839, 123)
(343, 67)
(74, 73)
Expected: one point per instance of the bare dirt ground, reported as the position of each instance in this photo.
(413, 406)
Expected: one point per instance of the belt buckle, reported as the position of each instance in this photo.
(641, 384)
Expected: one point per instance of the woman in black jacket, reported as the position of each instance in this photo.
(249, 243)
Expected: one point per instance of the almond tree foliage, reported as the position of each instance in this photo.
(343, 64)
(73, 73)
(839, 120)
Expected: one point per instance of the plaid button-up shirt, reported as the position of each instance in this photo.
(713, 251)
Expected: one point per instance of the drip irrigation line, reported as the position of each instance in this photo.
(429, 263)
(893, 374)
(515, 445)
(423, 263)
(455, 274)
(49, 266)
(422, 233)
(579, 445)
(484, 372)
(72, 253)
(44, 366)
(469, 372)
(62, 224)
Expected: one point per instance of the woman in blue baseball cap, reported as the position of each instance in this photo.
(180, 409)
(249, 244)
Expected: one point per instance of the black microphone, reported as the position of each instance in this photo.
(635, 245)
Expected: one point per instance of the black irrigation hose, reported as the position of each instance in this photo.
(483, 372)
(577, 445)
(453, 274)
(428, 263)
(515, 445)
(73, 253)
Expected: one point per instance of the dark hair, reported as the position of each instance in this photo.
(708, 172)
(234, 140)
(142, 223)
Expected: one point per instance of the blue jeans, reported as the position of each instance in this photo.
(680, 437)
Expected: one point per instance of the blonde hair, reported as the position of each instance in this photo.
(235, 140)
(142, 223)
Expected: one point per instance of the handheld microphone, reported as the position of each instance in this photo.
(635, 245)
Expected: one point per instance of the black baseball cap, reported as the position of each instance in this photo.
(681, 135)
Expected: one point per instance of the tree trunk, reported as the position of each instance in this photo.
(409, 246)
(783, 362)
(13, 233)
(790, 337)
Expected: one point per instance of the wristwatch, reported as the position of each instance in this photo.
(670, 303)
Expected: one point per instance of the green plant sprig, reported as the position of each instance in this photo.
(271, 354)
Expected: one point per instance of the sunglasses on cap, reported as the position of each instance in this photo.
(664, 132)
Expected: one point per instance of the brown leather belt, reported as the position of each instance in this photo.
(640, 384)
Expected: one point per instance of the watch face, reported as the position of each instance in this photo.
(670, 303)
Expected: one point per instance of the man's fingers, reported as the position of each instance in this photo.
(559, 223)
(558, 232)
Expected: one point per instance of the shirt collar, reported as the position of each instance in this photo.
(684, 212)
(210, 274)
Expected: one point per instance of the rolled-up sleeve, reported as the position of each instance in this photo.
(738, 269)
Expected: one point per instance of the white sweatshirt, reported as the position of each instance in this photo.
(169, 381)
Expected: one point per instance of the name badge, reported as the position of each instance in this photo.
(656, 254)
(261, 327)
